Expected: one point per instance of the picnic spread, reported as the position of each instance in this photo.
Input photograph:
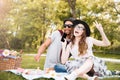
(10, 61)
(31, 74)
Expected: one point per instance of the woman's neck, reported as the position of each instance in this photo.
(77, 39)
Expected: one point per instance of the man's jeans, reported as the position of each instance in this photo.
(60, 68)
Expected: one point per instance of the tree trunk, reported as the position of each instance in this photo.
(72, 4)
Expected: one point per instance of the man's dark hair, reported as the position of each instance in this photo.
(69, 19)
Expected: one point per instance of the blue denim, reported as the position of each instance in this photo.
(60, 68)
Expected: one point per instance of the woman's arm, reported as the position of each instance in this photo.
(65, 52)
(104, 41)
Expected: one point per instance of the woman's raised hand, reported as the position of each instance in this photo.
(98, 26)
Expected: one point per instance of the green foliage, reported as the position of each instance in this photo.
(29, 21)
(4, 35)
(105, 12)
(32, 20)
(63, 10)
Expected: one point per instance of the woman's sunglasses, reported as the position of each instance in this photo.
(67, 25)
(79, 27)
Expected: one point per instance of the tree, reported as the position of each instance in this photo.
(5, 7)
(72, 4)
(31, 19)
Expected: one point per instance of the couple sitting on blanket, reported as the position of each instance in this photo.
(79, 45)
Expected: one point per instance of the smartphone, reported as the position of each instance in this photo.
(63, 37)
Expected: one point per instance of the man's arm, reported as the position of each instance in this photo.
(42, 48)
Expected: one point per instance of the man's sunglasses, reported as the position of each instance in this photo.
(67, 25)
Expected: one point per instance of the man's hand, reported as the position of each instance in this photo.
(37, 57)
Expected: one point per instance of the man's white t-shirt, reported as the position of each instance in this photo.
(54, 49)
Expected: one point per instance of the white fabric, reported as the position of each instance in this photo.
(58, 76)
(74, 51)
(79, 60)
(53, 52)
(99, 67)
(72, 65)
(33, 75)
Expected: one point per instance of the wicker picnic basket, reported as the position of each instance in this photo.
(9, 63)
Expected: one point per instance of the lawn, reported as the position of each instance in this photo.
(29, 62)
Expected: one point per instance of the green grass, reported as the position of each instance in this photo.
(29, 62)
(108, 55)
(113, 66)
(98, 54)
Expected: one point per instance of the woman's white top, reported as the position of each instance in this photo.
(74, 51)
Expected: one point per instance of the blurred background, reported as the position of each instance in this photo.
(25, 24)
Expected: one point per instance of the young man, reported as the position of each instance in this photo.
(54, 46)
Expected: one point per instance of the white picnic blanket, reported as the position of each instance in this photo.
(33, 75)
(54, 75)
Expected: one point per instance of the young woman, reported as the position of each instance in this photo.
(84, 63)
